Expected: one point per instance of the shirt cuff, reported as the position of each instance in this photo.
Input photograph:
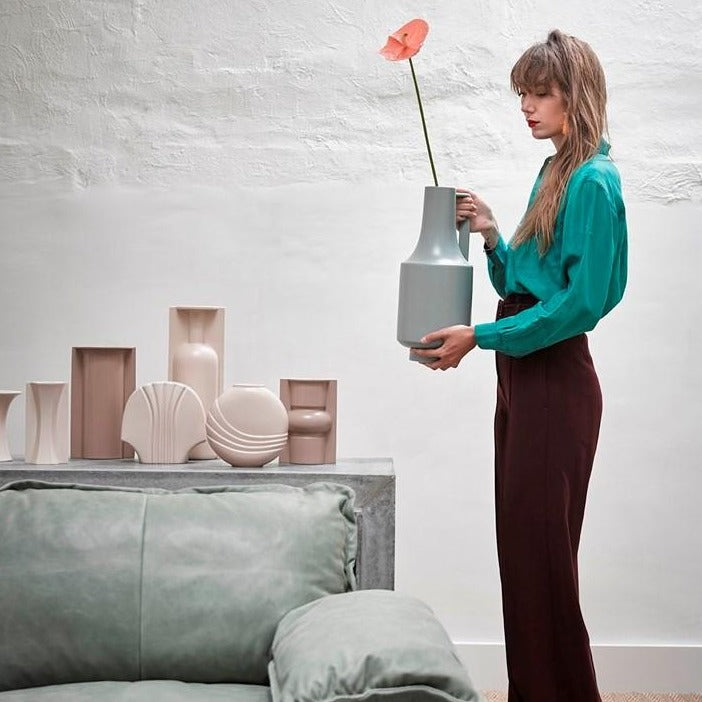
(499, 253)
(487, 335)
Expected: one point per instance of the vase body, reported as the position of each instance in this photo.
(436, 281)
(46, 436)
(311, 406)
(247, 426)
(102, 380)
(196, 355)
(163, 421)
(6, 398)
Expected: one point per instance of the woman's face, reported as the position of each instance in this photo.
(545, 111)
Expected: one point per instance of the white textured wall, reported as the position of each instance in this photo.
(262, 156)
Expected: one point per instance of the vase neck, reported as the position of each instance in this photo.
(196, 327)
(438, 238)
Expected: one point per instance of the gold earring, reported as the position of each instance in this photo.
(564, 128)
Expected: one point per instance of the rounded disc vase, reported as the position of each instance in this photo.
(247, 426)
(436, 281)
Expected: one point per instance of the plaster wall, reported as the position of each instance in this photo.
(262, 156)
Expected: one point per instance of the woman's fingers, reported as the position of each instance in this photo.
(438, 335)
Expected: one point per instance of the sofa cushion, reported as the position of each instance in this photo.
(146, 691)
(366, 646)
(132, 584)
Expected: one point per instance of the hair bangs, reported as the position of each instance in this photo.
(536, 68)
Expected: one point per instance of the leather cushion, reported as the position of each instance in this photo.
(366, 646)
(146, 691)
(129, 584)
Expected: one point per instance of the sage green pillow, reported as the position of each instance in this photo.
(370, 646)
(101, 583)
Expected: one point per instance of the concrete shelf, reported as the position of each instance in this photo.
(372, 479)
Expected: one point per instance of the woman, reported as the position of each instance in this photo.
(563, 270)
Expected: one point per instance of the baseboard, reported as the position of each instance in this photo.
(619, 668)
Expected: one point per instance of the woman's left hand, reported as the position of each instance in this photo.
(457, 341)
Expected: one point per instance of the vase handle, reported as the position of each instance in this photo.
(464, 233)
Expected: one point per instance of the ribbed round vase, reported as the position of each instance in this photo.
(247, 426)
(436, 281)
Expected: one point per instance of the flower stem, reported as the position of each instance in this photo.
(424, 124)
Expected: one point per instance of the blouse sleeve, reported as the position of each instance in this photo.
(497, 264)
(589, 246)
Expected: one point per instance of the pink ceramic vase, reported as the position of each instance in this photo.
(247, 426)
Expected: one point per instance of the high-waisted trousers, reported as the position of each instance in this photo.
(547, 423)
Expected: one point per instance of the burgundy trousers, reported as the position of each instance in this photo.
(547, 423)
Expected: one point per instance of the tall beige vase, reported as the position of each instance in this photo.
(6, 397)
(196, 354)
(46, 438)
(311, 406)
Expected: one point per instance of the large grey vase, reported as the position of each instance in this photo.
(436, 281)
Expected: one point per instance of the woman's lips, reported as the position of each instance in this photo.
(532, 123)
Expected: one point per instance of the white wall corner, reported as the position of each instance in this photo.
(620, 668)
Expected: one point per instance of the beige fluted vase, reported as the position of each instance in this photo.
(311, 406)
(102, 379)
(196, 353)
(163, 421)
(6, 397)
(46, 438)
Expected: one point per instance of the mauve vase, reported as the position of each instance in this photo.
(311, 406)
(436, 281)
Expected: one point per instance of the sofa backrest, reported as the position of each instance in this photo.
(129, 584)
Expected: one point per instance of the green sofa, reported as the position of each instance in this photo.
(243, 594)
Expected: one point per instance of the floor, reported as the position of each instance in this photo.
(493, 696)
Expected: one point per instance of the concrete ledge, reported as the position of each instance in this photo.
(372, 479)
(620, 668)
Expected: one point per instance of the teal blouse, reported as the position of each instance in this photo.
(580, 278)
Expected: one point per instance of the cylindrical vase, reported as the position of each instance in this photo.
(436, 281)
(196, 361)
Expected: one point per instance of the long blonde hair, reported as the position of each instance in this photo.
(573, 66)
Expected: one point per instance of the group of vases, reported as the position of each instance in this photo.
(187, 417)
(191, 417)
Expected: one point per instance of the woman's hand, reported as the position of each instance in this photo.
(457, 341)
(480, 215)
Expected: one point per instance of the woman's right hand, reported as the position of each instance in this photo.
(479, 213)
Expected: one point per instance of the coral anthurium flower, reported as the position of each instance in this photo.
(404, 44)
(406, 41)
